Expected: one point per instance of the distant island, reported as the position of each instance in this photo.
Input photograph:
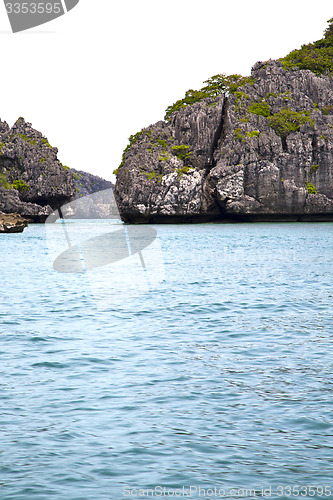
(33, 182)
(240, 148)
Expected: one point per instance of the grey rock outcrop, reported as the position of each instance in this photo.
(86, 183)
(92, 207)
(12, 223)
(264, 152)
(32, 179)
(10, 202)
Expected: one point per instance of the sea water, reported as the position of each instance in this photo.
(215, 383)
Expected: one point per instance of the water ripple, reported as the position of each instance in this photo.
(222, 376)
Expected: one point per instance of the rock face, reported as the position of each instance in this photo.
(264, 152)
(12, 223)
(10, 202)
(92, 207)
(86, 183)
(33, 182)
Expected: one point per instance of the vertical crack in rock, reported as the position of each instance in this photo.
(210, 201)
(218, 135)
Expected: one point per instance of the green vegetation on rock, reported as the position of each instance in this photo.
(182, 171)
(259, 108)
(191, 97)
(182, 152)
(217, 85)
(163, 158)
(313, 169)
(161, 142)
(286, 121)
(28, 139)
(270, 94)
(223, 84)
(317, 56)
(239, 134)
(240, 95)
(4, 181)
(20, 185)
(153, 175)
(311, 188)
(240, 101)
(132, 140)
(328, 110)
(46, 142)
(253, 133)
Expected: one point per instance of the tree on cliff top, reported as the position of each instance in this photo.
(316, 56)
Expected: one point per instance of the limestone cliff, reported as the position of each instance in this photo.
(32, 179)
(86, 183)
(91, 207)
(261, 151)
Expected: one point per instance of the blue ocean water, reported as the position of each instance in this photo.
(217, 383)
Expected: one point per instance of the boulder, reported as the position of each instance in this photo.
(12, 223)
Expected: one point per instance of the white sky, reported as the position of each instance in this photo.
(108, 68)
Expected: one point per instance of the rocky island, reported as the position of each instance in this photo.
(33, 182)
(32, 179)
(241, 148)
